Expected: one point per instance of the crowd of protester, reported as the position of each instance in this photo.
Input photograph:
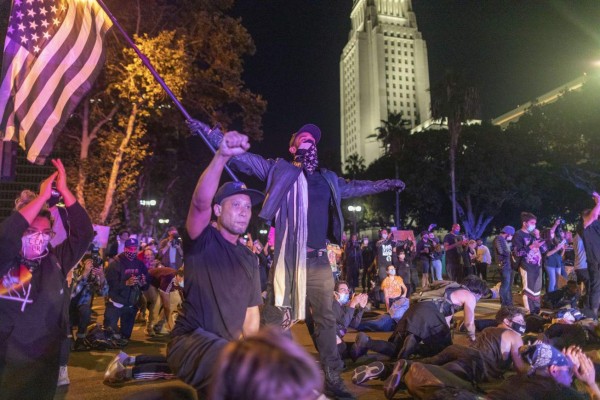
(213, 306)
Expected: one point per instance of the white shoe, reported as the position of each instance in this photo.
(63, 376)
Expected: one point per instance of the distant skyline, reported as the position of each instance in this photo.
(512, 51)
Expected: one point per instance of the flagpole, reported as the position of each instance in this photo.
(200, 128)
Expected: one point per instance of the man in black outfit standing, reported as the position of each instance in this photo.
(222, 279)
(304, 204)
(591, 241)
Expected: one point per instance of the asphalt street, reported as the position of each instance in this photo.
(86, 369)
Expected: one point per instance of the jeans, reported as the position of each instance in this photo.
(436, 266)
(505, 286)
(383, 323)
(553, 274)
(125, 314)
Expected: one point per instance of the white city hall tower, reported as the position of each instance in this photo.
(383, 69)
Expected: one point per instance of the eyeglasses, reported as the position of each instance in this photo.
(46, 234)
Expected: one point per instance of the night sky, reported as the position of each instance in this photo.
(512, 51)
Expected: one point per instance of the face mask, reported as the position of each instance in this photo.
(307, 157)
(384, 236)
(181, 284)
(519, 328)
(343, 298)
(456, 232)
(530, 228)
(391, 272)
(35, 245)
(130, 255)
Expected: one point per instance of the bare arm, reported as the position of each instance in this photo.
(198, 218)
(515, 342)
(251, 322)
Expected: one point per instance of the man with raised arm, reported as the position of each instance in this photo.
(303, 202)
(222, 279)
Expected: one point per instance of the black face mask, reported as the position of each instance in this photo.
(519, 328)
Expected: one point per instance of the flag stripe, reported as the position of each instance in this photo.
(67, 56)
(80, 82)
(14, 69)
(50, 64)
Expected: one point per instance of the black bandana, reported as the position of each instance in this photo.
(307, 158)
(130, 255)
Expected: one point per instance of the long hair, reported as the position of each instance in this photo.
(268, 366)
(476, 285)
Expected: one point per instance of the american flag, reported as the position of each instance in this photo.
(52, 54)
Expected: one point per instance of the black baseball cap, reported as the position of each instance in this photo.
(231, 188)
(314, 130)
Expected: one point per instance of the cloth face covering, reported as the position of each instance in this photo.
(307, 157)
(35, 245)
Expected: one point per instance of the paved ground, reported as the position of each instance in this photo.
(86, 369)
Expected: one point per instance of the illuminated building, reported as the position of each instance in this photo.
(383, 69)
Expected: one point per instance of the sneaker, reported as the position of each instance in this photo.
(63, 376)
(360, 346)
(118, 342)
(334, 385)
(81, 344)
(392, 384)
(150, 331)
(115, 373)
(367, 372)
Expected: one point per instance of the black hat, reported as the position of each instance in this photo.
(231, 188)
(314, 130)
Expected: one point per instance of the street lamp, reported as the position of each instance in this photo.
(354, 210)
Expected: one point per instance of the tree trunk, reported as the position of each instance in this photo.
(116, 167)
(453, 181)
(87, 138)
(83, 153)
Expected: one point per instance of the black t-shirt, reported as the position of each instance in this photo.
(385, 253)
(591, 241)
(421, 246)
(452, 255)
(221, 281)
(319, 197)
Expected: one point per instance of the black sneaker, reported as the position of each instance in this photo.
(392, 384)
(360, 346)
(334, 385)
(367, 372)
(81, 344)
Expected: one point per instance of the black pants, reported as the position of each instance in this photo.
(454, 270)
(148, 367)
(193, 356)
(80, 315)
(464, 362)
(482, 270)
(320, 319)
(583, 276)
(594, 292)
(29, 364)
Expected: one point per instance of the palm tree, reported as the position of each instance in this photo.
(354, 165)
(454, 102)
(393, 134)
